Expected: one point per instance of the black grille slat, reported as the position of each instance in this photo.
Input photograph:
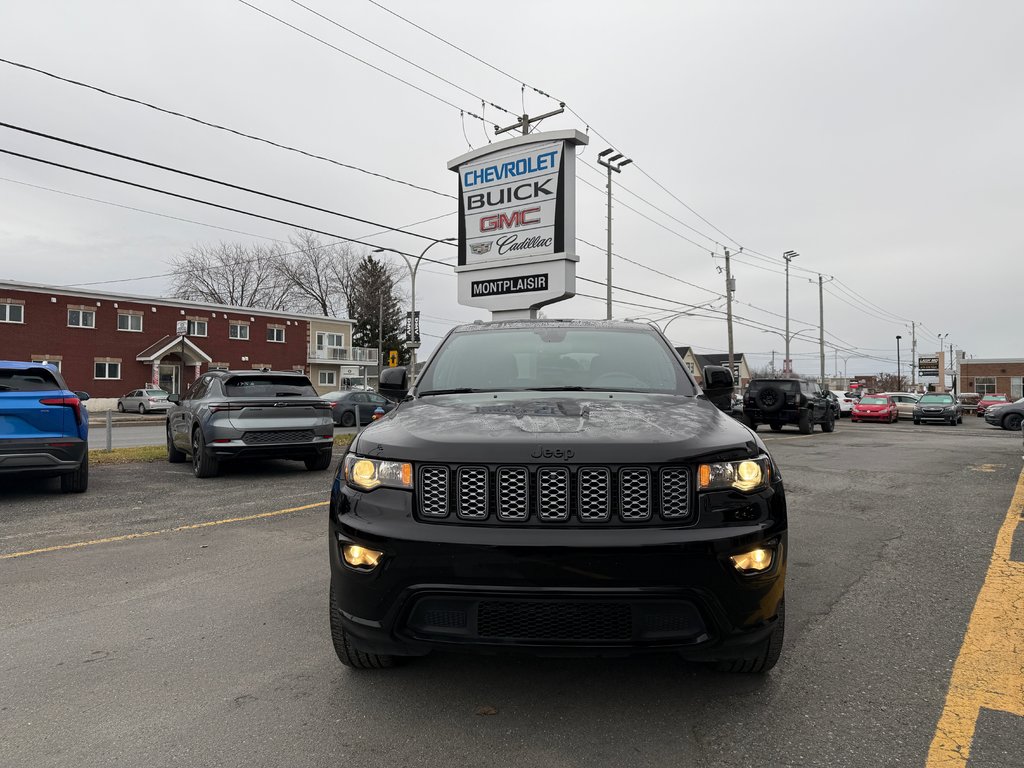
(271, 437)
(553, 493)
(635, 493)
(675, 493)
(434, 491)
(513, 491)
(472, 492)
(594, 502)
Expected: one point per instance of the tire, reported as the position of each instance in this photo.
(952, 421)
(776, 427)
(806, 427)
(348, 419)
(771, 399)
(174, 456)
(764, 656)
(320, 462)
(917, 421)
(120, 407)
(829, 425)
(1012, 422)
(77, 481)
(203, 464)
(142, 409)
(896, 418)
(348, 654)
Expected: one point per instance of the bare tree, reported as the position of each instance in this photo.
(233, 274)
(890, 382)
(319, 274)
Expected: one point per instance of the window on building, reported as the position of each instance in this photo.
(107, 371)
(327, 379)
(1016, 387)
(689, 366)
(197, 328)
(238, 331)
(12, 313)
(126, 322)
(81, 318)
(329, 340)
(46, 361)
(275, 333)
(984, 385)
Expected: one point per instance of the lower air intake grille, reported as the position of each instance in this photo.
(554, 620)
(269, 438)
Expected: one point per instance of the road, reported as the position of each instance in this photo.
(166, 622)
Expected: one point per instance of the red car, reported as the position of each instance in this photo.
(988, 401)
(875, 408)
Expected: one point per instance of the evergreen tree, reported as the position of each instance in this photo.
(373, 291)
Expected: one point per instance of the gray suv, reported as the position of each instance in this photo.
(249, 414)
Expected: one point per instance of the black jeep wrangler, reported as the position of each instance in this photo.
(777, 402)
(558, 487)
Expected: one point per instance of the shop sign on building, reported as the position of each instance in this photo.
(517, 210)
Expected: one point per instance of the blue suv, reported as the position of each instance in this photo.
(44, 427)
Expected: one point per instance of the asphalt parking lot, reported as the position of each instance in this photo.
(162, 620)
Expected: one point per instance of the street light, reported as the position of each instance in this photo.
(414, 343)
(788, 256)
(898, 382)
(614, 163)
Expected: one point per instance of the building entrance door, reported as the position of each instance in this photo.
(170, 378)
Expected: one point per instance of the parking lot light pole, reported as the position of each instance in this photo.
(613, 163)
(413, 342)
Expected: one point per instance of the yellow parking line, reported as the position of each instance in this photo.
(145, 534)
(989, 672)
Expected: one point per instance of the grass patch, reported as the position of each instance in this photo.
(144, 453)
(151, 453)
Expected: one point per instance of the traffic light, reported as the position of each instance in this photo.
(392, 358)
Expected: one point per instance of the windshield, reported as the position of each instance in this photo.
(939, 399)
(995, 398)
(873, 401)
(555, 358)
(30, 380)
(269, 386)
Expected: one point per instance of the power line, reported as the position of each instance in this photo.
(200, 177)
(224, 128)
(402, 58)
(342, 51)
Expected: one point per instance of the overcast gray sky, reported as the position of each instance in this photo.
(881, 140)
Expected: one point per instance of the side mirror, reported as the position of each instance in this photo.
(393, 383)
(174, 398)
(83, 396)
(719, 386)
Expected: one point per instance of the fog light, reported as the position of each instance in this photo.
(754, 561)
(361, 557)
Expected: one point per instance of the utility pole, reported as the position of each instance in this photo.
(913, 354)
(523, 123)
(821, 327)
(787, 365)
(952, 370)
(730, 286)
(773, 362)
(613, 163)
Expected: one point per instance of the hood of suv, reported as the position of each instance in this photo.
(584, 427)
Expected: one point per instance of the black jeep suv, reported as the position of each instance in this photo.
(776, 402)
(558, 487)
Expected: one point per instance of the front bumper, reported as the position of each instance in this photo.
(871, 416)
(54, 456)
(550, 589)
(923, 416)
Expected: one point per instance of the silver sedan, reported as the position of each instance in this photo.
(144, 401)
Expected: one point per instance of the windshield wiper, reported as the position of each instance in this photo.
(458, 391)
(566, 388)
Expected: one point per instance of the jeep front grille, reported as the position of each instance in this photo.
(554, 494)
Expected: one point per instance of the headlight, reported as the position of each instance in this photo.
(746, 475)
(367, 474)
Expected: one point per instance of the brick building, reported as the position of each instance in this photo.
(109, 343)
(1003, 375)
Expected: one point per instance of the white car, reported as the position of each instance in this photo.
(846, 402)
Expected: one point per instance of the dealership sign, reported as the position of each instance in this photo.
(517, 222)
(928, 366)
